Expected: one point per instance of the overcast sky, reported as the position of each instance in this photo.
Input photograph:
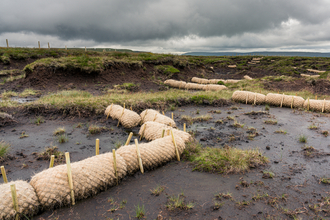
(169, 25)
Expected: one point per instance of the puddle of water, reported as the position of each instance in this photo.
(21, 100)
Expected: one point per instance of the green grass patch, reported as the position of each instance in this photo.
(8, 94)
(303, 138)
(62, 138)
(223, 160)
(28, 92)
(4, 149)
(167, 70)
(94, 129)
(178, 202)
(140, 211)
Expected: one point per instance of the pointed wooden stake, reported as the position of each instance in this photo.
(109, 110)
(97, 146)
(14, 198)
(68, 166)
(172, 115)
(51, 164)
(184, 127)
(139, 156)
(282, 100)
(145, 125)
(163, 133)
(176, 147)
(129, 138)
(4, 176)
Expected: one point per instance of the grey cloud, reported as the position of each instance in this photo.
(171, 24)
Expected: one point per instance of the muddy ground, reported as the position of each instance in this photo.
(290, 193)
(146, 78)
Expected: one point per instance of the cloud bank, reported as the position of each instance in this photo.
(168, 25)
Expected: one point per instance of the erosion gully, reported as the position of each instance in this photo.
(291, 191)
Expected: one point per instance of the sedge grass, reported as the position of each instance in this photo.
(223, 160)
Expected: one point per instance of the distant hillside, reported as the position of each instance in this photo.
(300, 54)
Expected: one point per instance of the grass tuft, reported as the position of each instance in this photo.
(281, 131)
(325, 133)
(225, 160)
(38, 120)
(157, 191)
(59, 131)
(4, 149)
(303, 138)
(94, 129)
(62, 138)
(48, 152)
(178, 202)
(270, 122)
(140, 211)
(313, 127)
(190, 120)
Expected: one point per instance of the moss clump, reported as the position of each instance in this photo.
(167, 70)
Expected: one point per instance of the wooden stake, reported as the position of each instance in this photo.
(68, 166)
(184, 127)
(121, 115)
(115, 164)
(323, 105)
(4, 176)
(316, 97)
(66, 47)
(48, 46)
(129, 138)
(7, 43)
(282, 100)
(172, 115)
(176, 147)
(15, 202)
(144, 117)
(131, 108)
(163, 133)
(85, 49)
(145, 125)
(163, 113)
(139, 156)
(97, 146)
(155, 117)
(52, 158)
(39, 44)
(109, 110)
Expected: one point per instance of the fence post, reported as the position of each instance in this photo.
(7, 43)
(48, 46)
(39, 44)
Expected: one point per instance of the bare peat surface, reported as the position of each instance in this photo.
(289, 186)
